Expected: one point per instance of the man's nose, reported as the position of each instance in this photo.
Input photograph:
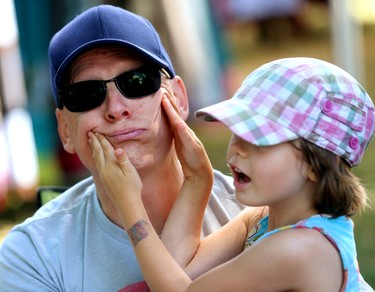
(116, 104)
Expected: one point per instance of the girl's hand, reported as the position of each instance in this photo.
(182, 231)
(190, 150)
(118, 176)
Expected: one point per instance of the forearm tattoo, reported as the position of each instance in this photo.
(138, 232)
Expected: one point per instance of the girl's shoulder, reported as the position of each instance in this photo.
(296, 254)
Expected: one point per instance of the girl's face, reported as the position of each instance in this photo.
(271, 175)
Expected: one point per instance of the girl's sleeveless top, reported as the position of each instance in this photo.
(339, 231)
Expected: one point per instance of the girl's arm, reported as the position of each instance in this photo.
(121, 181)
(182, 230)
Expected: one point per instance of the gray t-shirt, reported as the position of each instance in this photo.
(70, 245)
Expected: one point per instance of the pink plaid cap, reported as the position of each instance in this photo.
(304, 98)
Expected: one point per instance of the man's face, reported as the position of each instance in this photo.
(139, 126)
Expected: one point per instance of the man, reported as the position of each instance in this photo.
(76, 243)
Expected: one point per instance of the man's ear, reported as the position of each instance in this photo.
(63, 130)
(180, 93)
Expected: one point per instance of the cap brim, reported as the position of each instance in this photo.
(246, 123)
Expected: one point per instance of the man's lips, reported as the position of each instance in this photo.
(125, 135)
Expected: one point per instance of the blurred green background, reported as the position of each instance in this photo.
(244, 45)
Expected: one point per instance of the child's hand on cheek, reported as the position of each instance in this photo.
(118, 176)
(190, 150)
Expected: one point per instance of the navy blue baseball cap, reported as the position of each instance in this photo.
(104, 25)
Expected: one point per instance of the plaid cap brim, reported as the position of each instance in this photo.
(246, 123)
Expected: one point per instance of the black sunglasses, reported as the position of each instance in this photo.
(87, 95)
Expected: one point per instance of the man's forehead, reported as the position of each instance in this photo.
(110, 50)
(95, 55)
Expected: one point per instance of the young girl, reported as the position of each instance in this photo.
(299, 125)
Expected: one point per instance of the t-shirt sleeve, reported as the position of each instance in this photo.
(222, 205)
(21, 266)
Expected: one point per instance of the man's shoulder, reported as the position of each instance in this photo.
(67, 203)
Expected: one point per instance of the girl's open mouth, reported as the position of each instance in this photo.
(239, 176)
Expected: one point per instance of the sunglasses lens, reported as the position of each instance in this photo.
(139, 82)
(83, 96)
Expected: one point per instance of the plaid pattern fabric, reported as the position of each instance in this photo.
(300, 97)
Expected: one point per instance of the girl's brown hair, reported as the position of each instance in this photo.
(339, 192)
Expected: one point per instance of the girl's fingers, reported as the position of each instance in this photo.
(114, 158)
(125, 165)
(190, 149)
(115, 170)
(172, 101)
(96, 150)
(102, 150)
(120, 155)
(180, 127)
(174, 118)
(106, 146)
